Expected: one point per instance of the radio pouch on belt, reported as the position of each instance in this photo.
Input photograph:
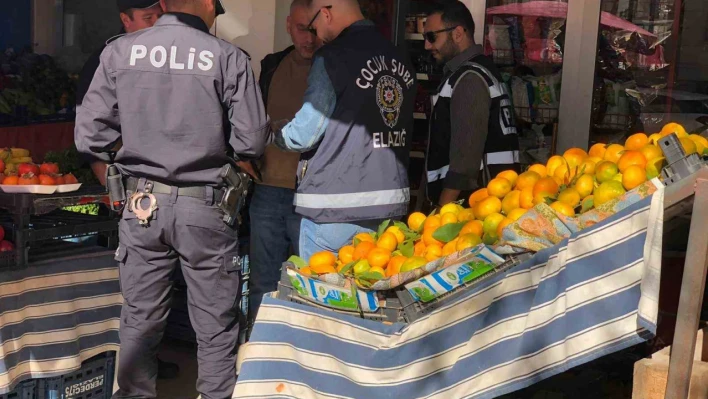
(116, 189)
(234, 195)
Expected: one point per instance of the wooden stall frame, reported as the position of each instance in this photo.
(693, 284)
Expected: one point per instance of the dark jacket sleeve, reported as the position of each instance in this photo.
(86, 75)
(269, 64)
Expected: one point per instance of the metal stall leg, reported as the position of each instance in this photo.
(691, 300)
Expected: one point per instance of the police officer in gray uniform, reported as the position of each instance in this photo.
(179, 99)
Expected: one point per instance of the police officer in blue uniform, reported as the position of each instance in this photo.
(181, 101)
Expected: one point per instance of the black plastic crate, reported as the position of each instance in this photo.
(23, 390)
(93, 381)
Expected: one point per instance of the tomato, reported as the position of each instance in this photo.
(49, 168)
(70, 179)
(47, 180)
(26, 168)
(6, 246)
(28, 179)
(2, 166)
(10, 180)
(59, 179)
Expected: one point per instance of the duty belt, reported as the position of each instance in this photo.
(199, 192)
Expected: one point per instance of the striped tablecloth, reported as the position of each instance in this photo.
(594, 294)
(55, 315)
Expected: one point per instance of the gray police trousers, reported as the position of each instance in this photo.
(190, 232)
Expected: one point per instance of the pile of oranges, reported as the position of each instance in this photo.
(572, 183)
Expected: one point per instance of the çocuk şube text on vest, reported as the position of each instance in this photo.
(360, 169)
(502, 144)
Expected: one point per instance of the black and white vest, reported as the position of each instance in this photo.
(502, 144)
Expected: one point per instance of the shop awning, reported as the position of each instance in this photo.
(555, 9)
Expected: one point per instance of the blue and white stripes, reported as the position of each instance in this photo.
(566, 306)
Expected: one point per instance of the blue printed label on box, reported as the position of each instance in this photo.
(333, 296)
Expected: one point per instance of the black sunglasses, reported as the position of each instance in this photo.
(309, 26)
(431, 37)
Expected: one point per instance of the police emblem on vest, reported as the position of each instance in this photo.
(501, 146)
(389, 96)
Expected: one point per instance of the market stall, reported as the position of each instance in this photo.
(59, 293)
(590, 289)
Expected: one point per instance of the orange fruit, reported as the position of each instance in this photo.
(607, 191)
(650, 152)
(539, 168)
(478, 196)
(473, 227)
(558, 181)
(673, 128)
(654, 138)
(505, 222)
(322, 258)
(554, 162)
(598, 150)
(499, 187)
(587, 167)
(378, 257)
(362, 250)
(605, 171)
(565, 174)
(465, 215)
(563, 208)
(448, 218)
(413, 263)
(491, 222)
(526, 198)
(636, 141)
(323, 269)
(429, 240)
(419, 248)
(451, 208)
(449, 248)
(468, 241)
(546, 185)
(340, 266)
(633, 177)
(574, 159)
(509, 175)
(387, 241)
(613, 153)
(516, 214)
(527, 180)
(511, 201)
(415, 220)
(394, 265)
(486, 207)
(689, 147)
(630, 158)
(433, 252)
(361, 266)
(346, 254)
(585, 185)
(432, 223)
(541, 198)
(306, 271)
(701, 143)
(400, 237)
(569, 196)
(365, 237)
(490, 238)
(576, 151)
(655, 166)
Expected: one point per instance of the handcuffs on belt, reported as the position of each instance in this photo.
(135, 205)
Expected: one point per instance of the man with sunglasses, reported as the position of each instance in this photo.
(354, 130)
(472, 126)
(183, 103)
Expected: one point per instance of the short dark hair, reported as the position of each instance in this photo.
(455, 13)
(129, 12)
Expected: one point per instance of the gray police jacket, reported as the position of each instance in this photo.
(178, 98)
(360, 169)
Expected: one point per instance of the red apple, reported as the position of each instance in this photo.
(27, 168)
(6, 246)
(49, 168)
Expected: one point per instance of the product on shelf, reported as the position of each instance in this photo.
(18, 169)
